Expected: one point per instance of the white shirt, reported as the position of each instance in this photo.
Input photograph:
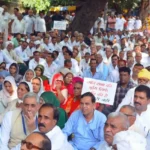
(138, 24)
(84, 65)
(75, 67)
(58, 139)
(5, 58)
(120, 24)
(49, 71)
(50, 47)
(40, 24)
(130, 25)
(18, 26)
(30, 22)
(22, 53)
(33, 63)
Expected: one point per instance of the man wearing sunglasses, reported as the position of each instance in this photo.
(18, 124)
(36, 141)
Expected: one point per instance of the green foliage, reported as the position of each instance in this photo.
(37, 4)
(62, 2)
(124, 4)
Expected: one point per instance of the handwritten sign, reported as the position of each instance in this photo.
(60, 25)
(103, 91)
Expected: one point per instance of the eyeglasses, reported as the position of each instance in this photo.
(29, 145)
(76, 88)
(129, 115)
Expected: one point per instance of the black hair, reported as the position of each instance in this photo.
(114, 56)
(67, 61)
(69, 52)
(145, 89)
(35, 52)
(45, 142)
(125, 69)
(16, 9)
(26, 86)
(51, 54)
(55, 110)
(87, 53)
(138, 65)
(89, 94)
(64, 47)
(14, 65)
(56, 52)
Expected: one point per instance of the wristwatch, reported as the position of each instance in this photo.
(92, 148)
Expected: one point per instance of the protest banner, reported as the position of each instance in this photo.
(103, 91)
(60, 25)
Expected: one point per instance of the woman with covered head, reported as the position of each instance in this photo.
(50, 98)
(23, 88)
(39, 72)
(14, 71)
(28, 76)
(37, 84)
(59, 89)
(73, 102)
(7, 95)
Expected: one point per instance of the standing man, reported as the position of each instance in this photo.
(30, 22)
(86, 125)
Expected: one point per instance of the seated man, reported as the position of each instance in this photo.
(36, 140)
(47, 120)
(130, 112)
(19, 123)
(117, 124)
(86, 125)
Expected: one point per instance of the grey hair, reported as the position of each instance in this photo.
(31, 94)
(125, 122)
(130, 108)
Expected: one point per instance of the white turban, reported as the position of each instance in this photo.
(9, 42)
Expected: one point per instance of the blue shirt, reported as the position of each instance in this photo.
(86, 134)
(88, 74)
(103, 68)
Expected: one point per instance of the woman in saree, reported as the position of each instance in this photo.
(50, 98)
(7, 95)
(73, 102)
(58, 88)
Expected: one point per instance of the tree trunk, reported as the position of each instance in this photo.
(86, 15)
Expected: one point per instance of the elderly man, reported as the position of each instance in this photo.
(19, 123)
(47, 120)
(130, 112)
(86, 125)
(143, 78)
(115, 123)
(36, 140)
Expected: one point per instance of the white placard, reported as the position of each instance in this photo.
(60, 25)
(103, 91)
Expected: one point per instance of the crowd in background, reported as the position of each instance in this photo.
(42, 73)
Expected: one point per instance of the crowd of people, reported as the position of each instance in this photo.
(42, 73)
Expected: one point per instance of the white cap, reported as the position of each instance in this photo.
(37, 42)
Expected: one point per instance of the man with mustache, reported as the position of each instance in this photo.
(17, 124)
(143, 79)
(142, 107)
(47, 120)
